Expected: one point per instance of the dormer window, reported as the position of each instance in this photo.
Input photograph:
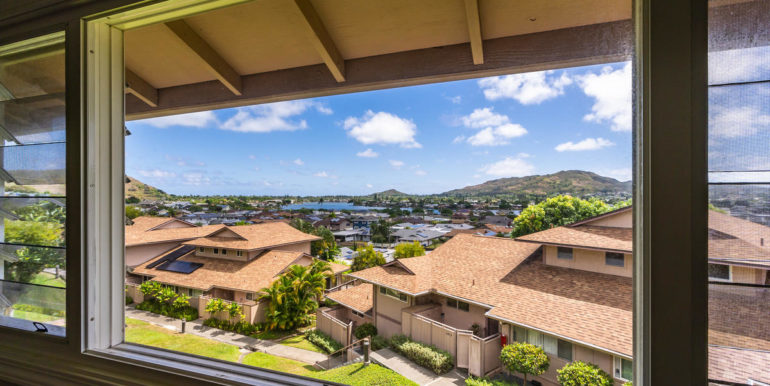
(216, 251)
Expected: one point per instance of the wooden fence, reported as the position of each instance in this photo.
(328, 323)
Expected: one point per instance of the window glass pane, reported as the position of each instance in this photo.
(520, 334)
(564, 253)
(627, 369)
(739, 192)
(32, 195)
(463, 306)
(549, 344)
(534, 337)
(451, 303)
(565, 350)
(614, 259)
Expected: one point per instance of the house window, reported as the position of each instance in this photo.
(462, 306)
(249, 296)
(356, 313)
(624, 369)
(216, 251)
(564, 253)
(519, 334)
(534, 337)
(224, 251)
(564, 350)
(201, 249)
(394, 294)
(614, 259)
(239, 253)
(720, 272)
(451, 303)
(550, 345)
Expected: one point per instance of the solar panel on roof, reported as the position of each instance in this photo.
(180, 266)
(173, 255)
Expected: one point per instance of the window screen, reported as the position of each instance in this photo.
(564, 253)
(32, 193)
(614, 259)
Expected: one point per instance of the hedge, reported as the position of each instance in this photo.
(378, 342)
(430, 357)
(129, 300)
(323, 341)
(581, 373)
(188, 313)
(243, 328)
(473, 381)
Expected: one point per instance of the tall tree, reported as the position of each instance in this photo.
(367, 257)
(524, 358)
(556, 211)
(404, 250)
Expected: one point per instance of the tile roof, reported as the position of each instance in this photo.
(357, 297)
(248, 276)
(140, 232)
(258, 236)
(586, 236)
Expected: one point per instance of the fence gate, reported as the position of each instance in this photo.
(474, 357)
(463, 348)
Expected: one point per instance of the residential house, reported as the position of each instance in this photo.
(233, 263)
(334, 223)
(352, 235)
(502, 221)
(460, 217)
(566, 289)
(423, 236)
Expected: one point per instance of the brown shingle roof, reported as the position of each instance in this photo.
(141, 233)
(585, 236)
(258, 236)
(249, 276)
(358, 297)
(738, 365)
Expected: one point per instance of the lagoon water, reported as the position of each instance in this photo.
(330, 206)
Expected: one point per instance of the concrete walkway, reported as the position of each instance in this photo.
(422, 376)
(197, 328)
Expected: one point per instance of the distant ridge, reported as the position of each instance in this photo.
(142, 191)
(575, 182)
(390, 192)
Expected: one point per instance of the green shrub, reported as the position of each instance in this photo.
(234, 309)
(181, 302)
(430, 357)
(378, 343)
(241, 327)
(473, 381)
(323, 341)
(364, 330)
(39, 310)
(129, 300)
(215, 305)
(165, 309)
(580, 373)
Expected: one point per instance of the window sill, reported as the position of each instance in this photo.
(28, 326)
(200, 368)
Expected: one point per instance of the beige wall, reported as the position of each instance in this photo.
(620, 220)
(231, 255)
(748, 275)
(464, 320)
(139, 254)
(388, 313)
(587, 260)
(174, 224)
(299, 247)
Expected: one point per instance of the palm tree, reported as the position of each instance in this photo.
(295, 294)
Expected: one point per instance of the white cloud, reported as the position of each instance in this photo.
(496, 128)
(396, 164)
(622, 174)
(298, 162)
(732, 122)
(611, 90)
(323, 109)
(738, 65)
(368, 153)
(199, 120)
(195, 179)
(508, 167)
(586, 144)
(530, 88)
(456, 99)
(382, 128)
(157, 173)
(321, 174)
(272, 117)
(369, 186)
(420, 173)
(459, 139)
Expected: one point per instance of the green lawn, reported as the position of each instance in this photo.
(299, 341)
(34, 316)
(357, 374)
(147, 334)
(49, 280)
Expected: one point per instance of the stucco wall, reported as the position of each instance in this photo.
(174, 224)
(139, 254)
(231, 254)
(748, 275)
(299, 247)
(620, 220)
(464, 320)
(587, 260)
(388, 317)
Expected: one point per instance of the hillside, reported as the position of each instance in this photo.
(576, 182)
(143, 191)
(390, 193)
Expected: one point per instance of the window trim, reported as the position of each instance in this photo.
(559, 252)
(617, 368)
(729, 273)
(622, 259)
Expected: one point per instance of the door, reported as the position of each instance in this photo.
(463, 347)
(493, 327)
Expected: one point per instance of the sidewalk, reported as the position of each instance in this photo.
(409, 369)
(197, 328)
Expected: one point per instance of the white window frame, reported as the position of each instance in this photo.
(394, 294)
(571, 253)
(239, 253)
(617, 368)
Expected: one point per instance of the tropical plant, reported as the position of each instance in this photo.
(181, 301)
(524, 358)
(150, 289)
(133, 212)
(234, 310)
(215, 305)
(294, 295)
(40, 224)
(581, 373)
(165, 295)
(367, 257)
(405, 250)
(556, 211)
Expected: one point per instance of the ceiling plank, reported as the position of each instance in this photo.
(215, 63)
(321, 40)
(474, 30)
(139, 88)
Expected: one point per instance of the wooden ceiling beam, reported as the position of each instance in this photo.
(474, 30)
(569, 47)
(139, 88)
(321, 40)
(213, 61)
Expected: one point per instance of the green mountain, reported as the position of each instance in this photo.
(574, 182)
(389, 193)
(142, 191)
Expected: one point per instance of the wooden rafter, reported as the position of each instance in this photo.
(138, 87)
(213, 61)
(474, 30)
(322, 42)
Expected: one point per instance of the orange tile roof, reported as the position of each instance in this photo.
(257, 236)
(140, 232)
(247, 276)
(358, 297)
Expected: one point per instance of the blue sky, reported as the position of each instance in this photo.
(422, 139)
